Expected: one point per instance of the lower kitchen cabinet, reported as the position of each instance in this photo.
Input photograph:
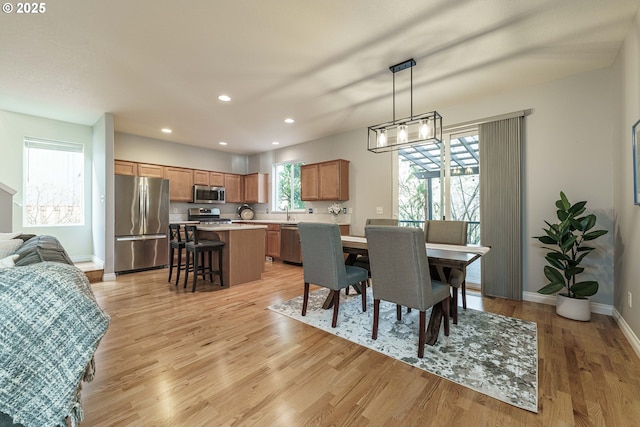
(272, 241)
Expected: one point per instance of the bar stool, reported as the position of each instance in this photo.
(176, 242)
(195, 247)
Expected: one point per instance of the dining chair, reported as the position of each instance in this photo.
(363, 260)
(451, 233)
(195, 248)
(175, 244)
(400, 274)
(323, 264)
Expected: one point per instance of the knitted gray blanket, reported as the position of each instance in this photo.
(50, 327)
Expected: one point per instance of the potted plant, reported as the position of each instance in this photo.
(566, 242)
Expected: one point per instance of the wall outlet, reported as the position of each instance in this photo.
(379, 210)
(310, 210)
(175, 210)
(630, 299)
(350, 210)
(344, 210)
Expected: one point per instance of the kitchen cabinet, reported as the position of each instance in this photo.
(234, 188)
(309, 182)
(180, 184)
(200, 177)
(216, 179)
(122, 167)
(256, 188)
(290, 249)
(151, 171)
(272, 241)
(325, 181)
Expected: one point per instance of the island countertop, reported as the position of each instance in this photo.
(229, 227)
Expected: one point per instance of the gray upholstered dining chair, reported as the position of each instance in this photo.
(323, 264)
(363, 260)
(400, 274)
(451, 233)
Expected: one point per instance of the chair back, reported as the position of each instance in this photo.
(399, 266)
(322, 255)
(446, 232)
(191, 234)
(174, 233)
(382, 221)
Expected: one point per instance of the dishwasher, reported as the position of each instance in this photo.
(290, 244)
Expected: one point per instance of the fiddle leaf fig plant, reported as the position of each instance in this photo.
(566, 241)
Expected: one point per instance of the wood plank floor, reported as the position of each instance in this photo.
(219, 357)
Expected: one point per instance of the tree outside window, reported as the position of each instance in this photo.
(54, 183)
(287, 187)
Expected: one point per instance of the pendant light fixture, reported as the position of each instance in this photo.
(420, 129)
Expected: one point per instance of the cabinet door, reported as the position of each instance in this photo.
(333, 178)
(122, 167)
(152, 171)
(234, 188)
(273, 241)
(309, 182)
(256, 188)
(181, 184)
(216, 179)
(200, 177)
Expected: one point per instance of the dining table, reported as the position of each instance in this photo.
(441, 256)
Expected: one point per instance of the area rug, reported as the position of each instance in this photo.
(489, 353)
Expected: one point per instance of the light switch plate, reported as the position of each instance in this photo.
(379, 210)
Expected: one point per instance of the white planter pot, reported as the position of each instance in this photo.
(573, 308)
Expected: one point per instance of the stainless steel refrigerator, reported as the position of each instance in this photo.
(141, 223)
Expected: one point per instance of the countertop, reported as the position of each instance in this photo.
(279, 221)
(230, 227)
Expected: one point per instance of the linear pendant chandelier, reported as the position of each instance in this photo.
(420, 129)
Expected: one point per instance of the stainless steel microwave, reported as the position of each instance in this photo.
(208, 194)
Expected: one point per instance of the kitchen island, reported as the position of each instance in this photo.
(243, 254)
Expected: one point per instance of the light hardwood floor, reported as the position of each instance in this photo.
(220, 357)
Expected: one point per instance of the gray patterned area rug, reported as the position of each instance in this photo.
(489, 353)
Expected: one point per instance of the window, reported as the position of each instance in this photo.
(287, 187)
(54, 183)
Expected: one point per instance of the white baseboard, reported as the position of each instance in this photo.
(551, 300)
(627, 332)
(110, 277)
(595, 308)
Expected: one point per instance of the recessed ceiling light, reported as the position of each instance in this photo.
(166, 130)
(222, 143)
(224, 98)
(289, 120)
(275, 143)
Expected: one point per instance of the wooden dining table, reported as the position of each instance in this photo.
(440, 256)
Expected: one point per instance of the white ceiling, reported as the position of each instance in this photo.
(159, 63)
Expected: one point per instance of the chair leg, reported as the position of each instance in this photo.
(363, 285)
(171, 254)
(179, 265)
(454, 305)
(220, 265)
(464, 294)
(336, 304)
(422, 333)
(305, 298)
(195, 271)
(210, 266)
(398, 312)
(376, 314)
(445, 313)
(187, 263)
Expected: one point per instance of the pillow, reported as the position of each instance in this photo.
(9, 261)
(8, 247)
(9, 236)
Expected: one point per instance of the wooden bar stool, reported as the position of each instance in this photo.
(197, 247)
(176, 242)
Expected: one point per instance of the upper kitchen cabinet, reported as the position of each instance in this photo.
(151, 171)
(180, 184)
(122, 167)
(256, 188)
(325, 181)
(234, 188)
(216, 179)
(200, 177)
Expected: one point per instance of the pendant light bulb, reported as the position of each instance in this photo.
(382, 138)
(425, 129)
(403, 134)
